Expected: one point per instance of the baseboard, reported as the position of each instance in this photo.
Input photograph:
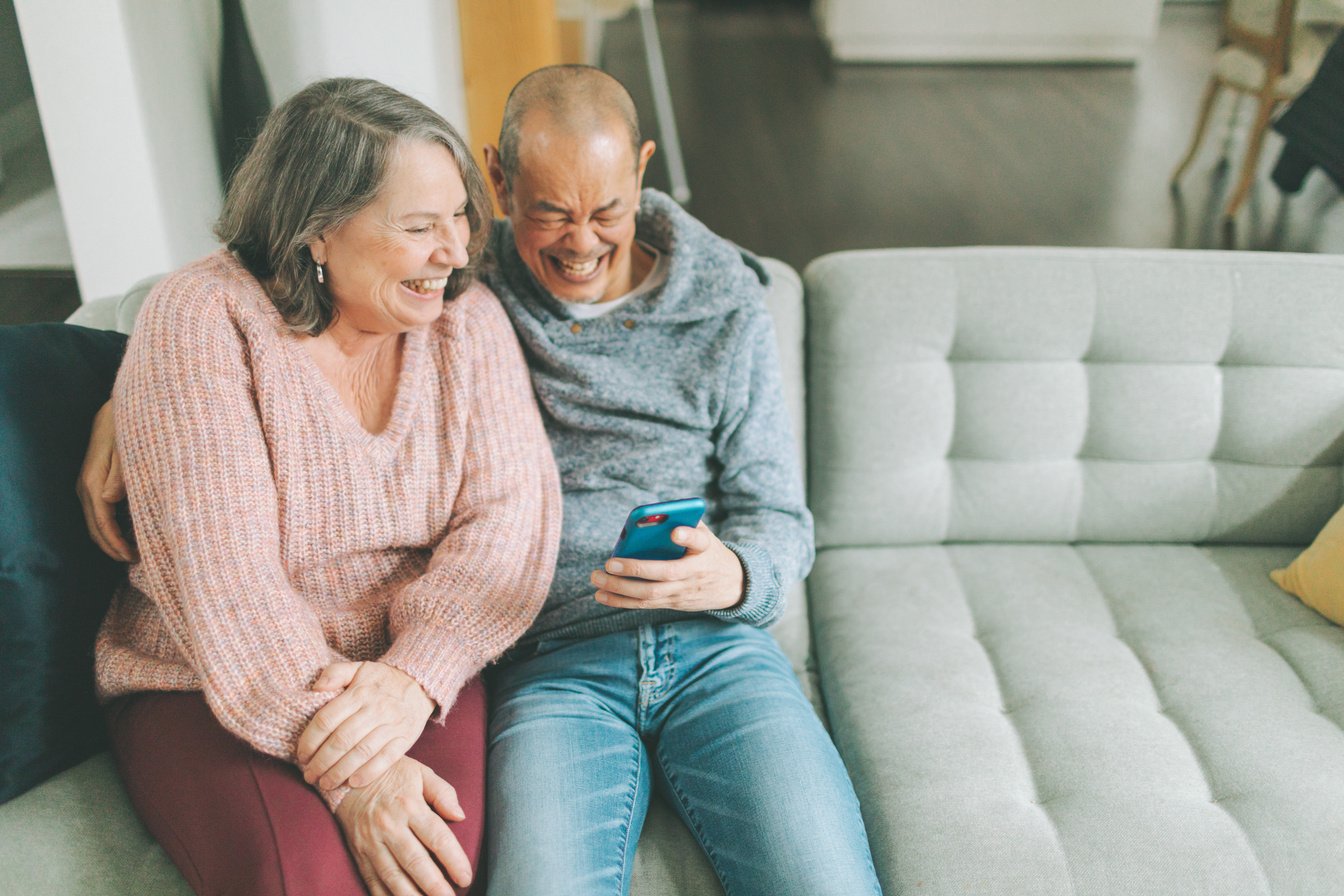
(886, 48)
(19, 125)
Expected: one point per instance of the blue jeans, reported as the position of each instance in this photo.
(708, 712)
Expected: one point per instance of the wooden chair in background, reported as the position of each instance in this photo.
(1264, 54)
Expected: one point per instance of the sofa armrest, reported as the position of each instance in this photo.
(114, 312)
(98, 314)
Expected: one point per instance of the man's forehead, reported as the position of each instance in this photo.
(543, 138)
(557, 205)
(585, 184)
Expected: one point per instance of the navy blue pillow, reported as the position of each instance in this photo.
(54, 582)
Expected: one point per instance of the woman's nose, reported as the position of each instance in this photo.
(452, 249)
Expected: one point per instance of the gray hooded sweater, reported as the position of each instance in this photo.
(675, 394)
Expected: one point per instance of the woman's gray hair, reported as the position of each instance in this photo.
(321, 156)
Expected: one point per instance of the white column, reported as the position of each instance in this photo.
(412, 45)
(124, 92)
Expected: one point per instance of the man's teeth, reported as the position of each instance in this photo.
(426, 286)
(578, 268)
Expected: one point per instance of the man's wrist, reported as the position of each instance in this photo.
(741, 583)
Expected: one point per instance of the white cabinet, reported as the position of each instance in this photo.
(951, 31)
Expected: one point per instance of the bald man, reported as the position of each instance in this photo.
(653, 359)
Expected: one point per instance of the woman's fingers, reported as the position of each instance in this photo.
(318, 747)
(407, 864)
(345, 751)
(371, 881)
(372, 770)
(377, 717)
(336, 677)
(373, 755)
(392, 875)
(441, 796)
(395, 833)
(328, 720)
(433, 833)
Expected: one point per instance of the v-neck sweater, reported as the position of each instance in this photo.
(277, 535)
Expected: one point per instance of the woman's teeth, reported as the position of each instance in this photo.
(425, 286)
(578, 268)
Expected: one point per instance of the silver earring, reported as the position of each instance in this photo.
(321, 275)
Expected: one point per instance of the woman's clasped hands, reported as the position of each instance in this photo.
(396, 828)
(395, 816)
(378, 714)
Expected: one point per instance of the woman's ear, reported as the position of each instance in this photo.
(317, 248)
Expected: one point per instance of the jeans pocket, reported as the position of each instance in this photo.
(550, 645)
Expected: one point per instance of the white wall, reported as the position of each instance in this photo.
(916, 31)
(99, 139)
(174, 52)
(412, 45)
(127, 92)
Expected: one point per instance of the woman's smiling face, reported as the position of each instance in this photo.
(387, 266)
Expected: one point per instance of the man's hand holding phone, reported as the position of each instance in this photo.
(708, 577)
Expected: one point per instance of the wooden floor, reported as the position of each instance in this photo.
(29, 297)
(794, 157)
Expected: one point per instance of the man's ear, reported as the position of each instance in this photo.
(495, 170)
(645, 153)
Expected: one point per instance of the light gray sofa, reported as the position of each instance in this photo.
(1049, 486)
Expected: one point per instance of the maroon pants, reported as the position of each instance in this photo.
(235, 821)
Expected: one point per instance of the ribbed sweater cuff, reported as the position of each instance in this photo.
(333, 797)
(760, 592)
(438, 661)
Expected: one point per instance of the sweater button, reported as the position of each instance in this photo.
(629, 324)
(576, 329)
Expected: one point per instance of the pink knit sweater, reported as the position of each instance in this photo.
(276, 535)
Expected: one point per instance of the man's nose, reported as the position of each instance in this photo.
(582, 240)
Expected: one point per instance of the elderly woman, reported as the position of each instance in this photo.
(345, 505)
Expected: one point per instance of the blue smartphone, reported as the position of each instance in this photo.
(647, 534)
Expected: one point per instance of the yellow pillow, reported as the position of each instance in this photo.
(1317, 575)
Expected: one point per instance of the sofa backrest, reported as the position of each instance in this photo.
(785, 302)
(1064, 395)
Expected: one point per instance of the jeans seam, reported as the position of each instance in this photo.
(669, 640)
(697, 828)
(626, 853)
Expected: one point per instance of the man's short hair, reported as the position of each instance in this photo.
(583, 98)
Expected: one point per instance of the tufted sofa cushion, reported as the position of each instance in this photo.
(1087, 720)
(1039, 679)
(1061, 395)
